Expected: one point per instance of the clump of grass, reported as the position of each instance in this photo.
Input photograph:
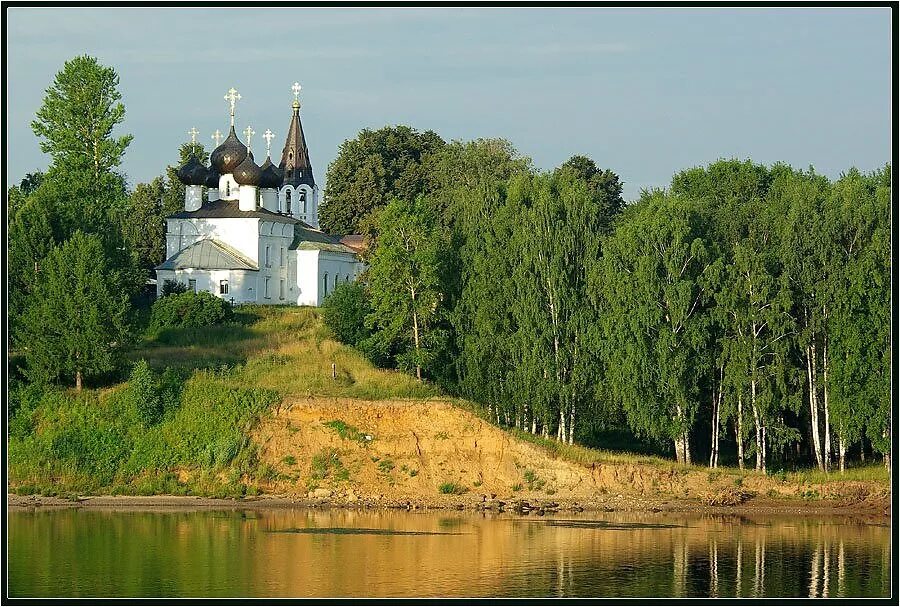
(289, 460)
(517, 487)
(452, 488)
(533, 481)
(441, 436)
(413, 472)
(348, 432)
(385, 466)
(326, 464)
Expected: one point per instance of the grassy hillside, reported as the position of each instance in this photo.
(254, 407)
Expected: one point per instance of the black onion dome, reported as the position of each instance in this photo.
(229, 155)
(247, 173)
(192, 173)
(212, 178)
(271, 177)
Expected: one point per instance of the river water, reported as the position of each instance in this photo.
(341, 553)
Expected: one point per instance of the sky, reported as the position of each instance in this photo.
(645, 92)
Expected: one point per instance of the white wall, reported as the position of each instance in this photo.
(238, 233)
(242, 284)
(314, 266)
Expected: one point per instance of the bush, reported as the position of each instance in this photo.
(145, 393)
(345, 311)
(452, 489)
(172, 287)
(189, 310)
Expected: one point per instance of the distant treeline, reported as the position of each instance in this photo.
(742, 312)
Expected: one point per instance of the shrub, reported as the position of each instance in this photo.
(189, 310)
(345, 311)
(172, 287)
(145, 394)
(452, 489)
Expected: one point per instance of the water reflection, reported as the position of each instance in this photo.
(353, 553)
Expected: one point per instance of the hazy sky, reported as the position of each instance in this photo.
(645, 92)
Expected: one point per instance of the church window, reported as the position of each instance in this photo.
(303, 201)
(227, 188)
(347, 278)
(266, 291)
(335, 281)
(287, 202)
(281, 289)
(223, 287)
(268, 263)
(325, 285)
(282, 257)
(192, 285)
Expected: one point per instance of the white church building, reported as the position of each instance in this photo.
(255, 237)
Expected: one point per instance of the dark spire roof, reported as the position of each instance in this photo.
(295, 162)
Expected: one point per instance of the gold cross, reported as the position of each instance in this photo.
(193, 133)
(268, 136)
(231, 97)
(248, 133)
(217, 136)
(296, 90)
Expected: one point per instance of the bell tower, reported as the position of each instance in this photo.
(299, 195)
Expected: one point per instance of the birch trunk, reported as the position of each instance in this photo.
(813, 404)
(740, 431)
(827, 453)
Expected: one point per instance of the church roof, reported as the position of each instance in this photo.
(208, 254)
(295, 163)
(307, 238)
(225, 209)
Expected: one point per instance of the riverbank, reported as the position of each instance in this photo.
(873, 511)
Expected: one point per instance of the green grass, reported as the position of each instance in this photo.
(346, 431)
(451, 488)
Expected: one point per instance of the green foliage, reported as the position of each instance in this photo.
(452, 488)
(345, 310)
(346, 431)
(385, 466)
(371, 170)
(405, 282)
(188, 310)
(326, 464)
(172, 287)
(78, 115)
(74, 324)
(145, 392)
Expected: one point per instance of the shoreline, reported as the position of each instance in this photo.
(876, 510)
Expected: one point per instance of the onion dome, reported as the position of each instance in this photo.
(229, 155)
(247, 173)
(192, 173)
(212, 178)
(271, 177)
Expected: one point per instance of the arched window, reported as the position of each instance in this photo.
(227, 188)
(325, 285)
(303, 201)
(335, 281)
(287, 202)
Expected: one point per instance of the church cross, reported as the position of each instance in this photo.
(268, 136)
(193, 133)
(296, 90)
(231, 97)
(217, 136)
(248, 133)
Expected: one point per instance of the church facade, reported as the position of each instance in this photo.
(255, 238)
